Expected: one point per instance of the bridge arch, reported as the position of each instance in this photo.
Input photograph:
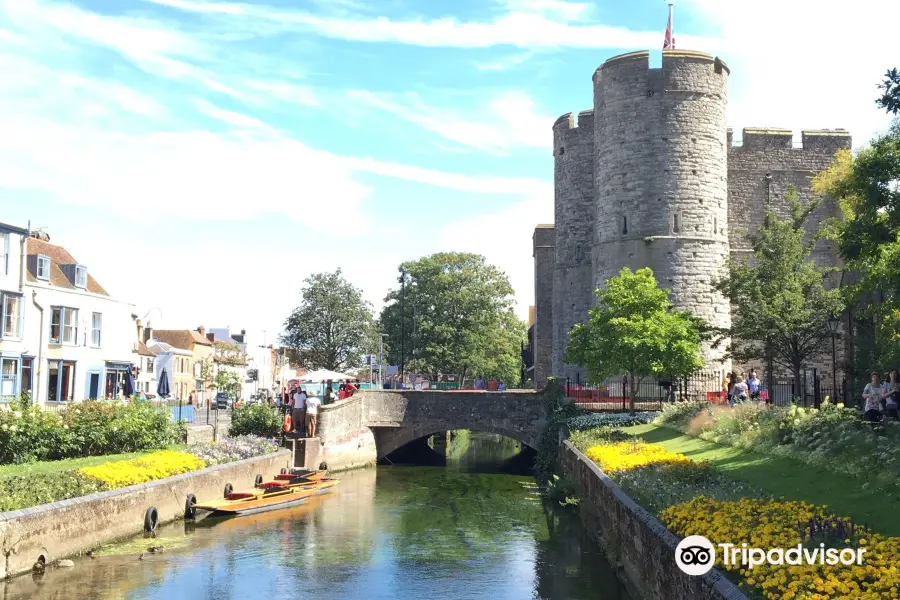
(389, 439)
(373, 423)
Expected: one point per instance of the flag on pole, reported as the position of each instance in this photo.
(669, 43)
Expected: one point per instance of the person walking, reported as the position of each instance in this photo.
(312, 414)
(753, 385)
(873, 394)
(891, 392)
(298, 414)
(740, 391)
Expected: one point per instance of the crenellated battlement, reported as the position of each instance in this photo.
(567, 121)
(641, 59)
(762, 139)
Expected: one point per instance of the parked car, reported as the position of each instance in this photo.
(223, 401)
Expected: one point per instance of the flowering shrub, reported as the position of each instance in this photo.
(657, 487)
(814, 436)
(680, 413)
(598, 436)
(91, 428)
(629, 455)
(157, 465)
(770, 524)
(232, 449)
(256, 419)
(591, 420)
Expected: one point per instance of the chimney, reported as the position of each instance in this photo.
(243, 332)
(140, 331)
(148, 333)
(202, 330)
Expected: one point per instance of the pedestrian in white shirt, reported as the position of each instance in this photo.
(873, 394)
(298, 414)
(312, 414)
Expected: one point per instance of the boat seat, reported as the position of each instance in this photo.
(272, 485)
(240, 496)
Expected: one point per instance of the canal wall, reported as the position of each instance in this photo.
(70, 527)
(639, 545)
(346, 440)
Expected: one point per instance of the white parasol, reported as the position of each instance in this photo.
(323, 375)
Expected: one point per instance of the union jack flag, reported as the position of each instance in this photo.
(669, 43)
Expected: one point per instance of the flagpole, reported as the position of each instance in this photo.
(672, 23)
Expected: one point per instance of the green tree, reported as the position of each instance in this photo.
(780, 306)
(867, 189)
(228, 383)
(454, 315)
(332, 326)
(890, 99)
(636, 331)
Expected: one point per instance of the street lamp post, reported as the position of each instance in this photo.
(381, 337)
(834, 325)
(402, 325)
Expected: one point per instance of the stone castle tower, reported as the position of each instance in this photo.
(650, 178)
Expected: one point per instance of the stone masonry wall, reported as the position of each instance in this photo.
(543, 253)
(74, 526)
(661, 176)
(347, 442)
(642, 548)
(771, 152)
(573, 151)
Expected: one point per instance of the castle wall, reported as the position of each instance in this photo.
(771, 152)
(573, 152)
(661, 177)
(543, 253)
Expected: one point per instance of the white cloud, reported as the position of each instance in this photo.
(526, 24)
(802, 64)
(510, 121)
(504, 63)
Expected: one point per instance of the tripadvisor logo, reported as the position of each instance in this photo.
(696, 555)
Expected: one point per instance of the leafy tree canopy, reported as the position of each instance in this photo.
(890, 99)
(635, 330)
(331, 327)
(454, 316)
(780, 306)
(868, 189)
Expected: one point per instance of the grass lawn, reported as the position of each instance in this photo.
(53, 466)
(785, 478)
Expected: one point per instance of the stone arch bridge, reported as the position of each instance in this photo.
(373, 423)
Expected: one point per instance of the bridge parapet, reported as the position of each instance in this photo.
(389, 419)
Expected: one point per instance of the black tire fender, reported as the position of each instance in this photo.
(151, 519)
(189, 503)
(284, 471)
(228, 489)
(259, 480)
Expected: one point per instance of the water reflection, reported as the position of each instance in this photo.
(388, 533)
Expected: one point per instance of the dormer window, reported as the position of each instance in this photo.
(43, 267)
(80, 276)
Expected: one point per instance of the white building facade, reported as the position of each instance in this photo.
(79, 339)
(17, 356)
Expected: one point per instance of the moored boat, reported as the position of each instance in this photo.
(286, 490)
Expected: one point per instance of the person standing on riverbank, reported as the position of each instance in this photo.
(312, 414)
(299, 410)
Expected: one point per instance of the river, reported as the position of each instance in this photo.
(467, 530)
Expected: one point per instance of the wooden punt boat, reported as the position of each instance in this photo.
(285, 491)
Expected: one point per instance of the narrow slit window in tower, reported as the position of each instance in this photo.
(624, 225)
(579, 254)
(676, 224)
(715, 225)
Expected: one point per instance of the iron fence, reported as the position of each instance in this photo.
(652, 394)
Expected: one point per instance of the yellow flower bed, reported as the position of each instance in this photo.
(622, 456)
(768, 524)
(157, 465)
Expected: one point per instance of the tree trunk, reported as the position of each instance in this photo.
(632, 391)
(800, 391)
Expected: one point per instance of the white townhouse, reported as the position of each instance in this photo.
(79, 338)
(17, 356)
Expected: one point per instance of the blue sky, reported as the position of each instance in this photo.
(204, 157)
